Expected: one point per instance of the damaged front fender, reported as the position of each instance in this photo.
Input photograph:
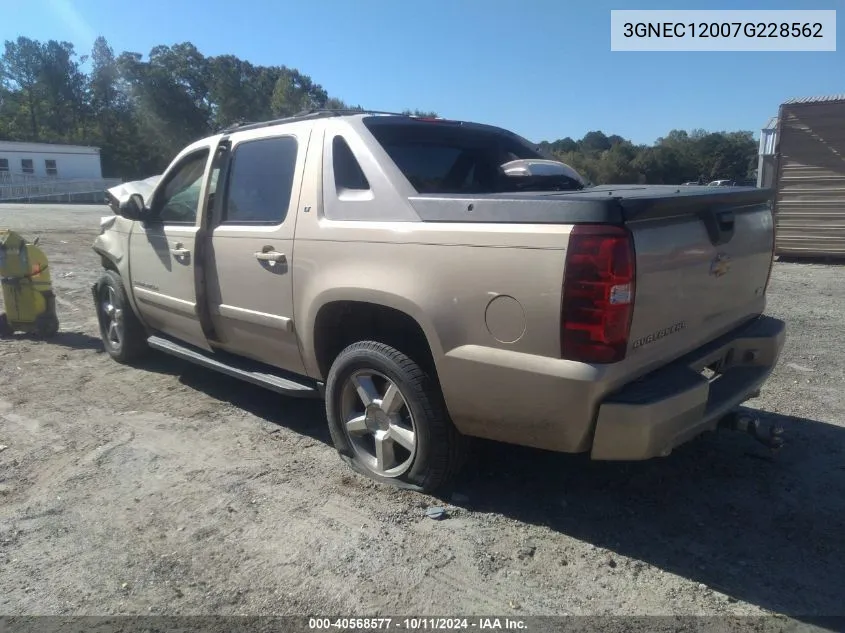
(112, 244)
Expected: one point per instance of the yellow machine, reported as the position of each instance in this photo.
(27, 291)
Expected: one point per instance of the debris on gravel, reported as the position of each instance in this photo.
(436, 512)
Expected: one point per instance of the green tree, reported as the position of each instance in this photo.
(64, 92)
(295, 92)
(425, 114)
(22, 73)
(141, 111)
(595, 142)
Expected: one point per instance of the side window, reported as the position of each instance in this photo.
(51, 168)
(347, 172)
(27, 166)
(180, 198)
(4, 165)
(260, 181)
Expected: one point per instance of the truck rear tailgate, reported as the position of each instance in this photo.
(699, 273)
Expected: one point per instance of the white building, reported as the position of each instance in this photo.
(46, 160)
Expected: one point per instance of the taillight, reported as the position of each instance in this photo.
(598, 294)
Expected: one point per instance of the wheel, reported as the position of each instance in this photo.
(123, 334)
(388, 420)
(46, 325)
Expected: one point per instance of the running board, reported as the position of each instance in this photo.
(237, 367)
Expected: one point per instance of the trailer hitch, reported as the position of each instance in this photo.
(743, 422)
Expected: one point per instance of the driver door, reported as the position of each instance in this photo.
(162, 251)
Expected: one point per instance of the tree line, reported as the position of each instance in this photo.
(679, 157)
(141, 112)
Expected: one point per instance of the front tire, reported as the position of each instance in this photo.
(388, 420)
(123, 334)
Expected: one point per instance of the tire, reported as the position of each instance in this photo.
(426, 459)
(110, 299)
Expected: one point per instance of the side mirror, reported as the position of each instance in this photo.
(133, 207)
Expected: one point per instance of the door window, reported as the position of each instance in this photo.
(260, 182)
(180, 197)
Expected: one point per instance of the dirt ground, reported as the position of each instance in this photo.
(169, 489)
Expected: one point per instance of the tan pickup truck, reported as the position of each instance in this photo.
(435, 279)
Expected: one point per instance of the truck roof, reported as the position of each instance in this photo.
(350, 113)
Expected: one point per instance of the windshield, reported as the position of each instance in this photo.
(447, 157)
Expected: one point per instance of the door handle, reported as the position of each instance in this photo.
(178, 251)
(270, 256)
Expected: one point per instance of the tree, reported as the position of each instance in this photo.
(595, 142)
(103, 83)
(141, 111)
(64, 92)
(21, 72)
(561, 146)
(333, 103)
(678, 157)
(295, 92)
(424, 114)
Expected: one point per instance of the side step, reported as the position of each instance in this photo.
(244, 369)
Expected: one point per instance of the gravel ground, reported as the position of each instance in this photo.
(169, 489)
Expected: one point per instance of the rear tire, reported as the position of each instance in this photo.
(124, 337)
(404, 436)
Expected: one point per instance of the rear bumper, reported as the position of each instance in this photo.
(653, 415)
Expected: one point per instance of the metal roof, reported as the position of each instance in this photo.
(38, 146)
(771, 124)
(827, 99)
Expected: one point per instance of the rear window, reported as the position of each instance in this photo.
(446, 157)
(260, 181)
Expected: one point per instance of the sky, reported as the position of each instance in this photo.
(542, 68)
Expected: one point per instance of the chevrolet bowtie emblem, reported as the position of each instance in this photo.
(720, 265)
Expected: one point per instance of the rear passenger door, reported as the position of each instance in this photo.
(249, 285)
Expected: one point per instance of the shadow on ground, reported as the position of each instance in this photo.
(720, 511)
(830, 260)
(71, 340)
(303, 415)
(78, 340)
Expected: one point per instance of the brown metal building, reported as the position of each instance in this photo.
(807, 171)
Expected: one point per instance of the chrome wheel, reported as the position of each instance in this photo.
(378, 423)
(112, 318)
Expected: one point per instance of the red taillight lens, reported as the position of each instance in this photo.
(598, 294)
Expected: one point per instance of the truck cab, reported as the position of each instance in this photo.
(434, 280)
